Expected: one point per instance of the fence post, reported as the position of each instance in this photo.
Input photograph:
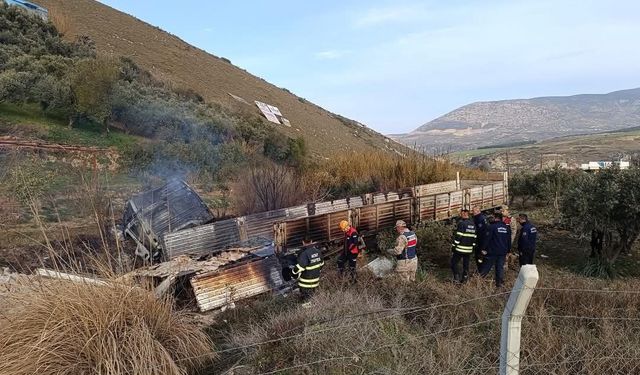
(512, 319)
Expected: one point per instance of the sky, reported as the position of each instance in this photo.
(395, 65)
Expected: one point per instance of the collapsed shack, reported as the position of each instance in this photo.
(219, 279)
(151, 215)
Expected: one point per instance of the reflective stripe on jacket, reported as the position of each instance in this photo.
(351, 241)
(464, 239)
(307, 270)
(409, 252)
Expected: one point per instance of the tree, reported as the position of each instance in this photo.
(551, 183)
(522, 185)
(92, 84)
(607, 202)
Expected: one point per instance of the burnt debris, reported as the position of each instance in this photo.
(151, 215)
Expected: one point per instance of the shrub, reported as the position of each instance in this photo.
(68, 328)
(607, 202)
(92, 83)
(268, 187)
(434, 241)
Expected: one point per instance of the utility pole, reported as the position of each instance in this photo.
(508, 165)
(540, 162)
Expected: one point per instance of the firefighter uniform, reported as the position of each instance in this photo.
(406, 255)
(464, 242)
(527, 243)
(481, 232)
(307, 270)
(497, 245)
(349, 253)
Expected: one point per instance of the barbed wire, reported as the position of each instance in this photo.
(581, 290)
(417, 309)
(364, 352)
(620, 318)
(397, 312)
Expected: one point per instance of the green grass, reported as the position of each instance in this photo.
(29, 121)
(476, 152)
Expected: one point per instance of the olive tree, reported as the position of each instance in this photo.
(607, 202)
(92, 84)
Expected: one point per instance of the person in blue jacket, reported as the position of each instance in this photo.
(526, 240)
(497, 245)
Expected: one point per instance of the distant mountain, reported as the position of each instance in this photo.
(508, 121)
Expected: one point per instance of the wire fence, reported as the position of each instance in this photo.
(598, 333)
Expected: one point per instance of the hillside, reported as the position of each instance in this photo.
(571, 150)
(498, 122)
(171, 59)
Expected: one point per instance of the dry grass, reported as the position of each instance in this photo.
(62, 327)
(61, 22)
(459, 334)
(70, 328)
(381, 171)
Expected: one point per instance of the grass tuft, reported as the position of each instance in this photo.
(60, 327)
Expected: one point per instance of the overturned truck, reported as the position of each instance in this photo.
(219, 262)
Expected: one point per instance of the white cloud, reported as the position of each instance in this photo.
(330, 54)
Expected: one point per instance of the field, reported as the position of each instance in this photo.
(570, 150)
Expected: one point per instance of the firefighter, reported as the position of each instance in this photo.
(464, 241)
(350, 250)
(405, 252)
(526, 240)
(497, 245)
(481, 232)
(307, 269)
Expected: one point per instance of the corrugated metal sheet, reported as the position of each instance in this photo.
(295, 212)
(355, 202)
(323, 208)
(170, 208)
(261, 224)
(379, 198)
(214, 290)
(202, 240)
(339, 205)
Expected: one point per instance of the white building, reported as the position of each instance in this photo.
(597, 165)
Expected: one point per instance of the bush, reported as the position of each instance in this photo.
(68, 328)
(434, 241)
(268, 187)
(607, 202)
